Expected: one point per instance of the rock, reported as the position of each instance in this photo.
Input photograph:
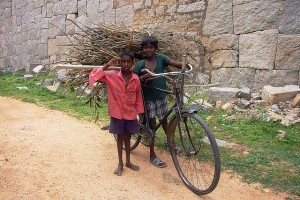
(276, 109)
(202, 79)
(58, 84)
(245, 93)
(281, 134)
(288, 52)
(290, 22)
(218, 105)
(276, 78)
(255, 96)
(257, 49)
(287, 121)
(256, 16)
(296, 100)
(224, 59)
(233, 77)
(48, 82)
(52, 88)
(222, 94)
(218, 18)
(22, 88)
(38, 68)
(28, 77)
(260, 103)
(279, 94)
(62, 75)
(201, 105)
(275, 117)
(242, 103)
(31, 67)
(221, 42)
(221, 143)
(228, 106)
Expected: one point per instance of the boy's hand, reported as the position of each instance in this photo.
(113, 62)
(145, 77)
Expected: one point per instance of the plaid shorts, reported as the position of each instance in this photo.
(157, 108)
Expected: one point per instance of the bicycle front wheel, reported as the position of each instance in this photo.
(195, 153)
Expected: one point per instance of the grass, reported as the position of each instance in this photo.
(259, 156)
(36, 93)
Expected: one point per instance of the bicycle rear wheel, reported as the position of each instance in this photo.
(195, 153)
(134, 141)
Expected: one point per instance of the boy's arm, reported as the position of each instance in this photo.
(178, 65)
(113, 62)
(98, 73)
(139, 100)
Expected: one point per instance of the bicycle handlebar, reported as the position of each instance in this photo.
(169, 73)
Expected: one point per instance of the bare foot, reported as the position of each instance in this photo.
(119, 170)
(132, 166)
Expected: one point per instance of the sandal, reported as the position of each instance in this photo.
(158, 163)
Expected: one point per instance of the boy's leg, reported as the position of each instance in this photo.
(127, 151)
(152, 123)
(120, 139)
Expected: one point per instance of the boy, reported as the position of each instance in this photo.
(155, 101)
(124, 102)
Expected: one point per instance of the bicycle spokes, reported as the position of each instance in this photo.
(196, 160)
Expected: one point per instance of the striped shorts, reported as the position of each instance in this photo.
(157, 108)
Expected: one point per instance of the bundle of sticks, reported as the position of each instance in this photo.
(95, 46)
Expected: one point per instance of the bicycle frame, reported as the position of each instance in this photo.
(185, 135)
(177, 92)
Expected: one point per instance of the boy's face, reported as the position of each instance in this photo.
(126, 62)
(149, 50)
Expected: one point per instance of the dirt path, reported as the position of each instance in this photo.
(46, 154)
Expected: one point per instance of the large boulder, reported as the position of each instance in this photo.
(279, 94)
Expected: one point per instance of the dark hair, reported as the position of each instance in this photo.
(127, 53)
(149, 39)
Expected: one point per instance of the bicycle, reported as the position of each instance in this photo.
(190, 142)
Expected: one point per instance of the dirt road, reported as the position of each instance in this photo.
(45, 154)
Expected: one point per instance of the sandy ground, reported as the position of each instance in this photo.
(45, 154)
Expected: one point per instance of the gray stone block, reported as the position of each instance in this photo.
(222, 42)
(288, 52)
(124, 16)
(256, 16)
(276, 78)
(290, 22)
(224, 59)
(197, 6)
(279, 94)
(221, 93)
(3, 64)
(218, 18)
(233, 77)
(258, 49)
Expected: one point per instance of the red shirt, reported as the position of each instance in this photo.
(123, 102)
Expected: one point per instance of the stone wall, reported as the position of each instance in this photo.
(240, 42)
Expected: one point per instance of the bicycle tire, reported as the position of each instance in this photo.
(134, 141)
(195, 155)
